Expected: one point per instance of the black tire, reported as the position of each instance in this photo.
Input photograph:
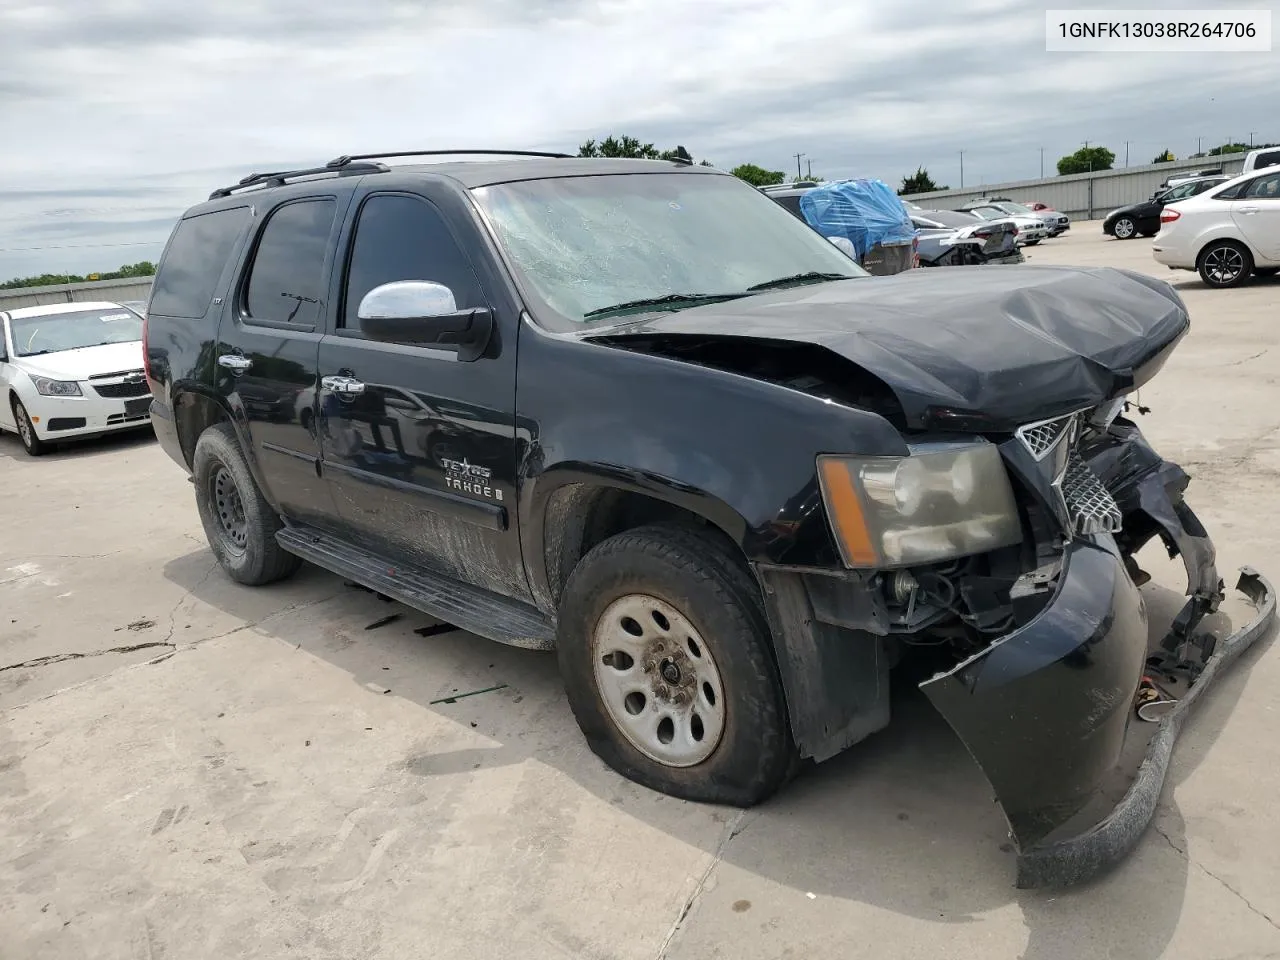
(697, 573)
(238, 522)
(31, 443)
(1125, 228)
(1223, 264)
(1032, 243)
(1265, 271)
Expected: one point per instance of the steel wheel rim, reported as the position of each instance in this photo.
(228, 506)
(1224, 264)
(659, 681)
(24, 426)
(1124, 229)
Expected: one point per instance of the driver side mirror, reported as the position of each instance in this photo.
(424, 313)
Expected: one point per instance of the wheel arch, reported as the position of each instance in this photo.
(578, 507)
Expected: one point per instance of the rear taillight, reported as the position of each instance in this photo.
(1168, 216)
(1015, 231)
(982, 234)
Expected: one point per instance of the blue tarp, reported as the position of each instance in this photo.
(865, 212)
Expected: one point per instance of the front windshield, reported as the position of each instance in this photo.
(52, 332)
(586, 244)
(1018, 209)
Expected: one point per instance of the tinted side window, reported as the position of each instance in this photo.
(1264, 188)
(197, 254)
(404, 238)
(286, 281)
(1267, 159)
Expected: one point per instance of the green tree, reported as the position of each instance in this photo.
(1165, 157)
(758, 176)
(144, 268)
(629, 147)
(1085, 160)
(919, 182)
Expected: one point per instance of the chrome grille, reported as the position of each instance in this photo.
(1040, 438)
(1091, 508)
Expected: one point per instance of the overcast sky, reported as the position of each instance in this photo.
(118, 115)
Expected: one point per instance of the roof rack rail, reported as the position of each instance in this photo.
(339, 163)
(278, 178)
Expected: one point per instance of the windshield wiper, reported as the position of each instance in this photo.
(671, 301)
(812, 276)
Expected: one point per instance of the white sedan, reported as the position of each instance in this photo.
(1228, 233)
(70, 371)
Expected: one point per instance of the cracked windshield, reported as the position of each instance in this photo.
(599, 247)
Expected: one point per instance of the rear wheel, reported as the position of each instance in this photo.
(1124, 228)
(27, 430)
(238, 522)
(1224, 263)
(668, 666)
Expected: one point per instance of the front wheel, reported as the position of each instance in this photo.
(27, 430)
(238, 522)
(668, 666)
(1124, 229)
(1224, 263)
(1032, 243)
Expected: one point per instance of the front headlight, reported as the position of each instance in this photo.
(941, 502)
(56, 388)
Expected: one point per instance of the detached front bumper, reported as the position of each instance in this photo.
(1045, 709)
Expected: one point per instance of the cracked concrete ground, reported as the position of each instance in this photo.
(189, 768)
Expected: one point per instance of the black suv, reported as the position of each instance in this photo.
(637, 412)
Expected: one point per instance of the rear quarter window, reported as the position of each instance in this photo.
(193, 263)
(1268, 160)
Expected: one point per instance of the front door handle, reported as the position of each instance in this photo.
(1250, 209)
(343, 386)
(235, 363)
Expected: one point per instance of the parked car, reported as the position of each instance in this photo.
(1188, 175)
(1031, 229)
(1261, 159)
(1056, 223)
(864, 218)
(730, 479)
(1227, 233)
(950, 238)
(1125, 223)
(70, 371)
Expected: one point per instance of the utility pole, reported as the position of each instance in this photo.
(1086, 144)
(961, 169)
(798, 156)
(1126, 153)
(809, 168)
(1198, 150)
(1042, 163)
(1251, 141)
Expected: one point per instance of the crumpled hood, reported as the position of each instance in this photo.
(970, 348)
(85, 362)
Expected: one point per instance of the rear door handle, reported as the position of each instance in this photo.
(343, 386)
(1248, 209)
(235, 363)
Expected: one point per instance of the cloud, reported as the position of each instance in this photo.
(152, 104)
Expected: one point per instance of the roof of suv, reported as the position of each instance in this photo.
(466, 173)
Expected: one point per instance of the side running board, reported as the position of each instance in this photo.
(466, 607)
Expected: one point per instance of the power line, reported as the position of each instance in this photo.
(83, 246)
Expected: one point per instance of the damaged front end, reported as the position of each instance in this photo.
(1050, 659)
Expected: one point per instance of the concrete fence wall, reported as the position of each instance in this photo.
(129, 288)
(1083, 196)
